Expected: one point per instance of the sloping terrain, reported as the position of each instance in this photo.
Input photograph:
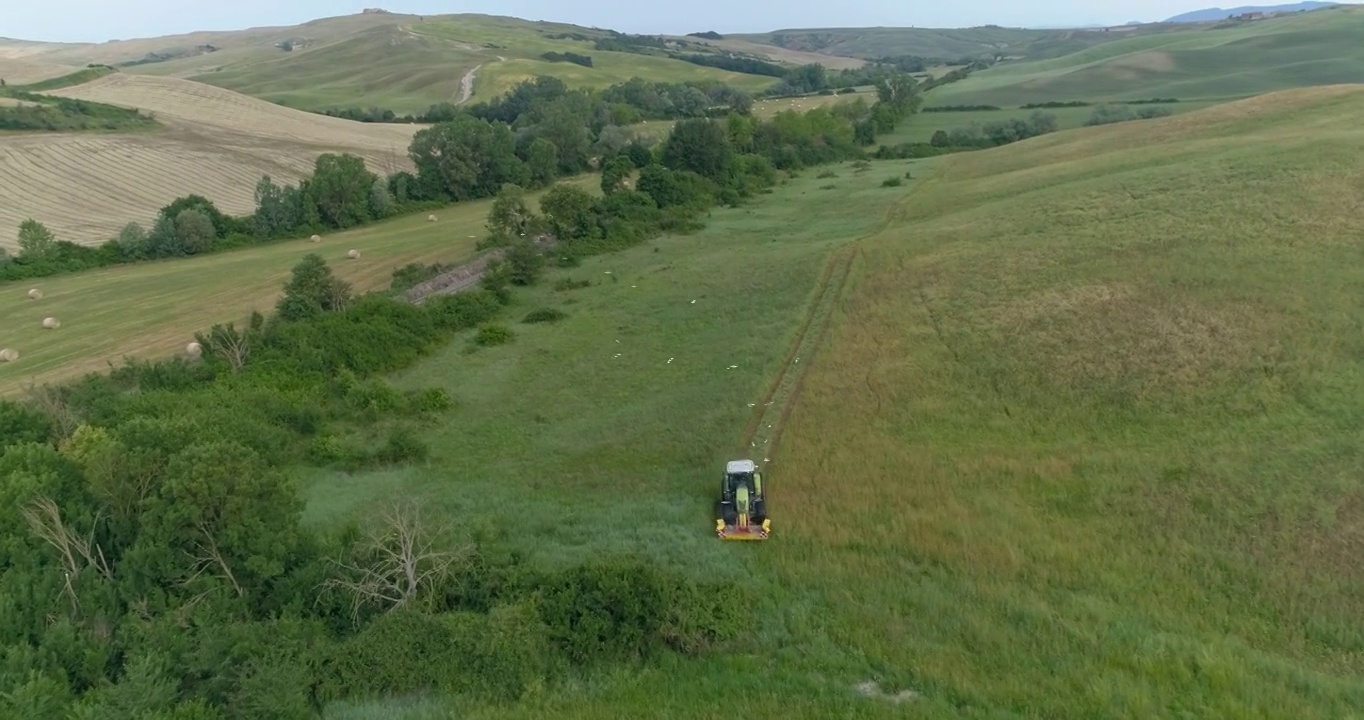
(23, 71)
(1093, 402)
(1080, 441)
(1224, 61)
(216, 143)
(946, 43)
(1217, 14)
(396, 61)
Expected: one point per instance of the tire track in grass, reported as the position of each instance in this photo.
(762, 435)
(764, 424)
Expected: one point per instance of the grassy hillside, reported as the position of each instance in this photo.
(151, 310)
(401, 62)
(1079, 441)
(1200, 62)
(950, 43)
(215, 143)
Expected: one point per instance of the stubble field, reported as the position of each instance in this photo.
(216, 143)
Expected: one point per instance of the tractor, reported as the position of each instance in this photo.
(741, 511)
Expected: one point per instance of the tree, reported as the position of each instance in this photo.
(467, 158)
(615, 173)
(312, 290)
(381, 203)
(36, 242)
(542, 159)
(403, 559)
(511, 217)
(701, 146)
(569, 211)
(228, 514)
(132, 241)
(194, 230)
(277, 209)
(233, 346)
(525, 262)
(341, 187)
(940, 139)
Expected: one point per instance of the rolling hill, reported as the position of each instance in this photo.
(214, 143)
(401, 62)
(1220, 14)
(1194, 63)
(944, 43)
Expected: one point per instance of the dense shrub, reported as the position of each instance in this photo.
(493, 334)
(544, 315)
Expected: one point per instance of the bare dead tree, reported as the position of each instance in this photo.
(400, 559)
(210, 560)
(51, 402)
(231, 344)
(76, 553)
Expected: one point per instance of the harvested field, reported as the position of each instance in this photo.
(22, 71)
(216, 143)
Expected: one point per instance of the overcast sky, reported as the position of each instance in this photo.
(99, 20)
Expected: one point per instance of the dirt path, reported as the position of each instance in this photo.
(466, 85)
(463, 277)
(466, 89)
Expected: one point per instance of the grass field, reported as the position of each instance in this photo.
(1195, 62)
(921, 126)
(153, 309)
(513, 49)
(948, 43)
(215, 143)
(1079, 441)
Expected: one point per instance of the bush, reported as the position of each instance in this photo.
(891, 182)
(625, 609)
(489, 335)
(567, 284)
(544, 315)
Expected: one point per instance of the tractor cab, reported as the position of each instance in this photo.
(741, 512)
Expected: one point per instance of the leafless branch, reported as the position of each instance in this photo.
(399, 560)
(44, 519)
(211, 558)
(53, 404)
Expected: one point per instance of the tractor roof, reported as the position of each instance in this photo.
(735, 467)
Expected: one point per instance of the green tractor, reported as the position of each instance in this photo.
(741, 511)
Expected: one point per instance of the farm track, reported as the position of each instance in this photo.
(762, 435)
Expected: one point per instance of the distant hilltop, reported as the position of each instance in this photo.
(375, 11)
(1215, 14)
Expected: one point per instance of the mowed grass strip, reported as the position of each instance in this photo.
(153, 309)
(1084, 440)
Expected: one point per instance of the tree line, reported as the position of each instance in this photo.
(537, 132)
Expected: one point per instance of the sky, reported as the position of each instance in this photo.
(100, 20)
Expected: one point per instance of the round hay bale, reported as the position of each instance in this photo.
(316, 238)
(194, 349)
(51, 323)
(8, 355)
(353, 254)
(430, 218)
(35, 294)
